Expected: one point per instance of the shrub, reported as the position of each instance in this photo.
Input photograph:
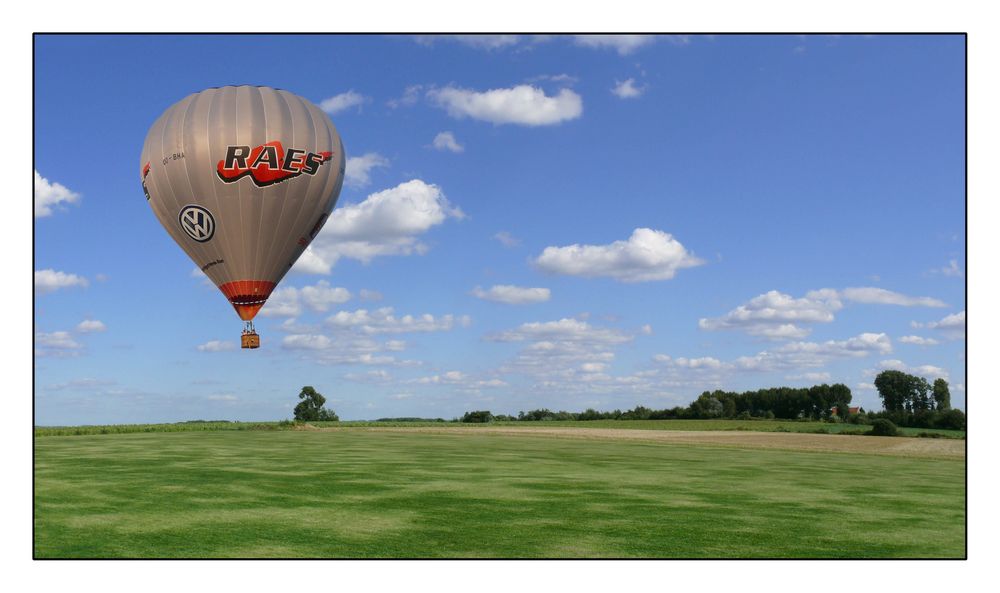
(952, 419)
(744, 415)
(884, 428)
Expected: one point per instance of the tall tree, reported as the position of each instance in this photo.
(942, 397)
(311, 407)
(894, 389)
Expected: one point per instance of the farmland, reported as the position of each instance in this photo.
(496, 492)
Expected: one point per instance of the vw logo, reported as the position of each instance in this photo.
(197, 222)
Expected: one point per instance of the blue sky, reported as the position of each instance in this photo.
(560, 222)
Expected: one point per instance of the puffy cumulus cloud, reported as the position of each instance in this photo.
(567, 356)
(90, 326)
(388, 222)
(512, 295)
(289, 301)
(523, 104)
(342, 102)
(779, 316)
(795, 355)
(880, 296)
(545, 334)
(216, 346)
(56, 344)
(460, 381)
(928, 371)
(50, 195)
(623, 44)
(776, 315)
(357, 170)
(918, 340)
(447, 141)
(49, 280)
(952, 326)
(346, 348)
(627, 90)
(384, 321)
(647, 255)
(306, 342)
(507, 240)
(488, 42)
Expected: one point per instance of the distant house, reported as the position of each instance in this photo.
(850, 410)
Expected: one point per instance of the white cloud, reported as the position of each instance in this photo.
(523, 105)
(59, 343)
(814, 354)
(488, 42)
(311, 262)
(216, 346)
(50, 195)
(321, 296)
(447, 141)
(512, 295)
(385, 223)
(342, 102)
(776, 315)
(952, 269)
(383, 321)
(358, 168)
(647, 255)
(927, 371)
(880, 296)
(410, 96)
(289, 301)
(623, 44)
(506, 239)
(627, 90)
(223, 397)
(376, 376)
(822, 377)
(89, 326)
(563, 330)
(918, 340)
(369, 295)
(952, 326)
(306, 342)
(48, 280)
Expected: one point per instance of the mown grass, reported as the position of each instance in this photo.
(750, 425)
(366, 494)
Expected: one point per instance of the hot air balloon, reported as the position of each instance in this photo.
(243, 178)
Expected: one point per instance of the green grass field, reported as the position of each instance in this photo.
(364, 493)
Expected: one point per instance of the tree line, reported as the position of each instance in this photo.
(907, 401)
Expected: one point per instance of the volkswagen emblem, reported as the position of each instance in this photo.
(197, 222)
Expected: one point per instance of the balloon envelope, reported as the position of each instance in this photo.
(243, 178)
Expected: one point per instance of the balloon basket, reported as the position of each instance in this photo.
(250, 340)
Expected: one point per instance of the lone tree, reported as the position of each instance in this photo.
(311, 407)
(942, 397)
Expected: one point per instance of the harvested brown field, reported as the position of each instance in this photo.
(829, 443)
